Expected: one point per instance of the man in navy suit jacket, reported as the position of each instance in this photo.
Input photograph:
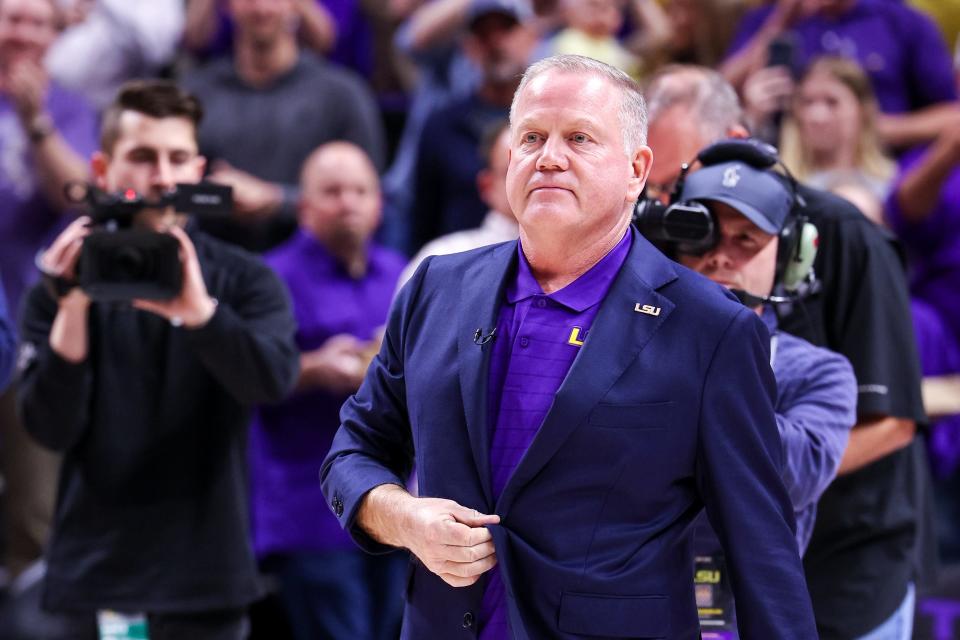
(570, 403)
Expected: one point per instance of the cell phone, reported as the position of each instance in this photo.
(781, 53)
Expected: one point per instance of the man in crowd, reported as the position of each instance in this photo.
(870, 520)
(537, 385)
(149, 401)
(758, 246)
(341, 283)
(499, 225)
(445, 197)
(46, 134)
(270, 104)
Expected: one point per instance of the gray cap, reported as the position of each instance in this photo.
(756, 193)
(481, 8)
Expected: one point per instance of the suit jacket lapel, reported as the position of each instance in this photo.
(617, 336)
(482, 290)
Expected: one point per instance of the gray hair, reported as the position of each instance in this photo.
(633, 109)
(708, 97)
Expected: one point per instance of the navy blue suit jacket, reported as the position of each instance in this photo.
(661, 414)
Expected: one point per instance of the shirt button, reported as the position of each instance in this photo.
(541, 303)
(524, 341)
(468, 620)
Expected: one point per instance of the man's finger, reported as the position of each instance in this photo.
(470, 569)
(457, 553)
(473, 518)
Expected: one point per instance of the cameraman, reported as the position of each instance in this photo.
(149, 401)
(756, 245)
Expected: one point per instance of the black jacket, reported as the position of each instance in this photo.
(152, 506)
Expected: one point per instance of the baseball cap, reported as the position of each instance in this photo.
(756, 193)
(481, 8)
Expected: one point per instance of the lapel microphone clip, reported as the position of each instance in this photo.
(479, 339)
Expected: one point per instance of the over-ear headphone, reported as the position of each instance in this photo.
(688, 227)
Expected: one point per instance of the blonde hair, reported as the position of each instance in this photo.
(870, 156)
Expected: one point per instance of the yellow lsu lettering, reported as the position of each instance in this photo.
(575, 338)
(706, 576)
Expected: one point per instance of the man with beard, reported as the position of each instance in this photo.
(448, 159)
(341, 285)
(269, 105)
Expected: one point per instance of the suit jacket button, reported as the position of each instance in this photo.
(468, 619)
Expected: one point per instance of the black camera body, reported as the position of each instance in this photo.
(119, 262)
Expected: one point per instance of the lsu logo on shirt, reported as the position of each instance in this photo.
(577, 336)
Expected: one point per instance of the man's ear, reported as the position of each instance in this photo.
(99, 162)
(640, 165)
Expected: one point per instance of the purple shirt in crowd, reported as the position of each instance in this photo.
(538, 336)
(933, 260)
(286, 440)
(27, 222)
(898, 46)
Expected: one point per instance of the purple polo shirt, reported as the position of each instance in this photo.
(287, 440)
(899, 47)
(538, 337)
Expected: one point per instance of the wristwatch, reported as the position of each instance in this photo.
(40, 127)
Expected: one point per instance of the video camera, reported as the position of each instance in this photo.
(121, 262)
(689, 227)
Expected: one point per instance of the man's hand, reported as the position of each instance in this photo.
(253, 198)
(449, 539)
(767, 91)
(338, 365)
(194, 307)
(60, 258)
(26, 84)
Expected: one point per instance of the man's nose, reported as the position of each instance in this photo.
(163, 174)
(553, 155)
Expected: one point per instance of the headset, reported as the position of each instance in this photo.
(689, 228)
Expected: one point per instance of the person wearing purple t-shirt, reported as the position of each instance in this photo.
(899, 47)
(571, 402)
(341, 284)
(46, 134)
(924, 211)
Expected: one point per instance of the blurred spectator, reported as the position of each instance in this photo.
(700, 30)
(448, 159)
(209, 29)
(831, 140)
(900, 48)
(924, 210)
(7, 343)
(429, 39)
(341, 283)
(115, 41)
(269, 106)
(45, 134)
(499, 225)
(149, 402)
(592, 26)
(862, 562)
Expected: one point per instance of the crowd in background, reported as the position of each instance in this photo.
(357, 134)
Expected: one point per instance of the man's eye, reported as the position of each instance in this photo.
(579, 138)
(530, 138)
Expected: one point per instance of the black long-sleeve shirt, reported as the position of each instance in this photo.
(152, 506)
